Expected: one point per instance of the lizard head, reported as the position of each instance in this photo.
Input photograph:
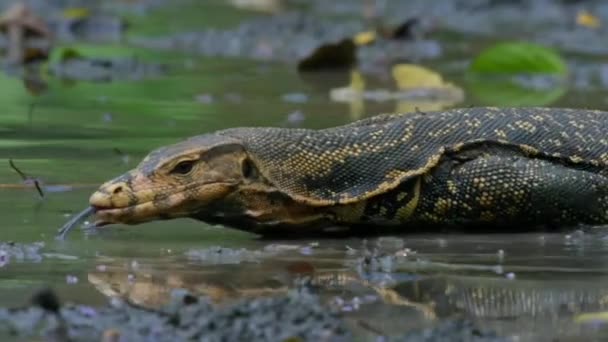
(175, 181)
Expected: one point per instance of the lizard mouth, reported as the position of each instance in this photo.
(111, 208)
(132, 214)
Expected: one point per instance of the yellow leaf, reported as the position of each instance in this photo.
(592, 317)
(352, 94)
(76, 13)
(587, 19)
(356, 80)
(364, 38)
(410, 76)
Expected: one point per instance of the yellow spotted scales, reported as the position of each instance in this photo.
(465, 167)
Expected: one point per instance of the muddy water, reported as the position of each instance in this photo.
(77, 135)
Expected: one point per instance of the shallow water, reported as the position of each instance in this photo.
(527, 285)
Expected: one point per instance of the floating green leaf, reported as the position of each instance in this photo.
(508, 94)
(519, 58)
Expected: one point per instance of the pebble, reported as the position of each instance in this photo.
(71, 279)
(204, 98)
(297, 316)
(296, 117)
(295, 97)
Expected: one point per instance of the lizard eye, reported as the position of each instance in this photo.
(183, 167)
(248, 169)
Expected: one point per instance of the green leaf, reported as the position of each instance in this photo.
(503, 93)
(519, 58)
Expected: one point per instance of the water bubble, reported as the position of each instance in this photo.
(501, 255)
(134, 264)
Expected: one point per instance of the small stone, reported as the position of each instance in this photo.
(116, 302)
(71, 279)
(4, 258)
(295, 117)
(204, 98)
(295, 97)
(306, 250)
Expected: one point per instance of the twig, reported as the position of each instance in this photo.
(418, 111)
(26, 177)
(363, 324)
(25, 186)
(30, 113)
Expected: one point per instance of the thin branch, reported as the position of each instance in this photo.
(27, 178)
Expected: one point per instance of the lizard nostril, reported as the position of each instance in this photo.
(117, 190)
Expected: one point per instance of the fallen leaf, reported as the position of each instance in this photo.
(511, 58)
(351, 94)
(586, 19)
(407, 30)
(592, 317)
(409, 76)
(330, 56)
(76, 13)
(353, 91)
(364, 38)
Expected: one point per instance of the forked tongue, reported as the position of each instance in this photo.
(73, 222)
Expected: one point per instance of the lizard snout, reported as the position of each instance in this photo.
(112, 195)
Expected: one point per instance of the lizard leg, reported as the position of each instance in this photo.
(511, 190)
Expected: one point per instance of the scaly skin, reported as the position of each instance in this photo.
(512, 167)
